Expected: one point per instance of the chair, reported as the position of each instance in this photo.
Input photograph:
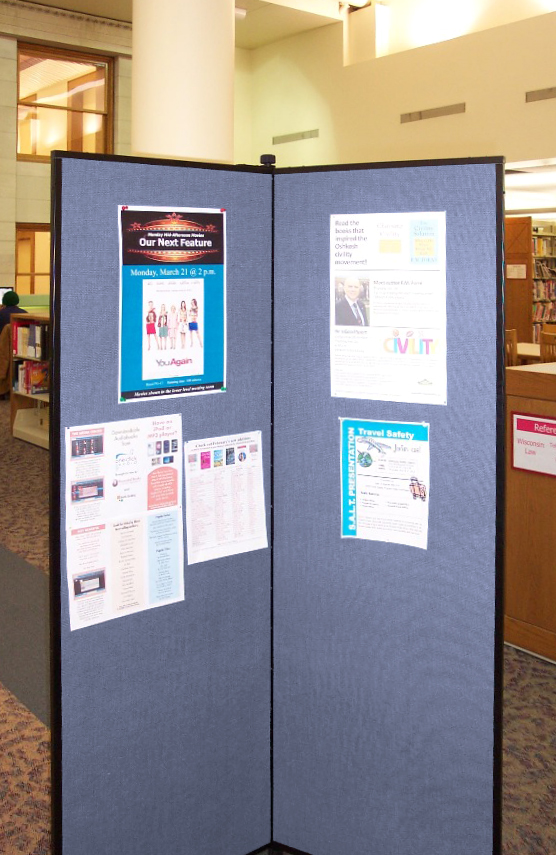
(510, 347)
(548, 347)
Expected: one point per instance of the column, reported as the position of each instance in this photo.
(182, 79)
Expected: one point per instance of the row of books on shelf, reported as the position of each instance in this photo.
(544, 289)
(544, 312)
(32, 377)
(544, 245)
(31, 340)
(543, 270)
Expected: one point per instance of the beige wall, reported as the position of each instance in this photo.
(243, 143)
(8, 114)
(414, 23)
(300, 84)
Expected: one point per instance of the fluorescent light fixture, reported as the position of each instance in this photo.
(240, 13)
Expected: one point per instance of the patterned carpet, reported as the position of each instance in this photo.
(529, 766)
(24, 477)
(529, 798)
(529, 805)
(24, 780)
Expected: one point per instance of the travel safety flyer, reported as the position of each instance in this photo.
(388, 307)
(385, 471)
(534, 443)
(124, 524)
(224, 508)
(172, 302)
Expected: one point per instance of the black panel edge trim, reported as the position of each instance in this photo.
(55, 513)
(272, 331)
(266, 848)
(55, 505)
(391, 164)
(280, 849)
(160, 161)
(245, 167)
(500, 522)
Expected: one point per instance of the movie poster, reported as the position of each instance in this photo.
(172, 302)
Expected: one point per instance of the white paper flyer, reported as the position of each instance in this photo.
(385, 471)
(388, 307)
(124, 524)
(224, 496)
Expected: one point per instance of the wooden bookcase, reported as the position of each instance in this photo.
(29, 408)
(530, 249)
(544, 276)
(530, 537)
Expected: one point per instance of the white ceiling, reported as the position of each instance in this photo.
(264, 23)
(531, 188)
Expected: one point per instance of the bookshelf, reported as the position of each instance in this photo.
(29, 394)
(530, 250)
(544, 276)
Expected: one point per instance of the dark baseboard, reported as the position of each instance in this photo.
(24, 633)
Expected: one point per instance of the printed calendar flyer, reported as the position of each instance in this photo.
(225, 508)
(388, 307)
(385, 471)
(172, 302)
(124, 525)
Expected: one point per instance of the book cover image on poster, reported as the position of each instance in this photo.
(388, 307)
(172, 302)
(124, 523)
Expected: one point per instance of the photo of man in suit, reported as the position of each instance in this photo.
(350, 311)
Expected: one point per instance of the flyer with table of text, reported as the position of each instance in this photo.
(385, 470)
(388, 307)
(172, 302)
(124, 524)
(224, 496)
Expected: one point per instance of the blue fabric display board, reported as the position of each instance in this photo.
(325, 695)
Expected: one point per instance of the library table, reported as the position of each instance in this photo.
(530, 534)
(528, 351)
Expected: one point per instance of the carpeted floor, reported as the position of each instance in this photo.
(24, 478)
(24, 780)
(529, 805)
(529, 797)
(529, 766)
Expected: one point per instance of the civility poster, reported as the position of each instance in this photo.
(388, 307)
(172, 302)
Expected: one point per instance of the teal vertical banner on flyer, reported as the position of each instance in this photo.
(172, 302)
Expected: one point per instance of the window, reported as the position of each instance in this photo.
(64, 102)
(32, 259)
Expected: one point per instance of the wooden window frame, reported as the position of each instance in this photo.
(29, 227)
(46, 52)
